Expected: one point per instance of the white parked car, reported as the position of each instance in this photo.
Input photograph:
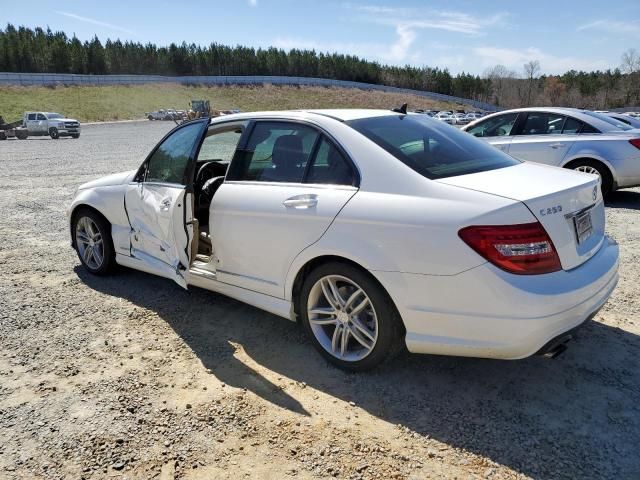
(445, 117)
(581, 140)
(371, 228)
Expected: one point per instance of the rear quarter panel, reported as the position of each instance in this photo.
(411, 234)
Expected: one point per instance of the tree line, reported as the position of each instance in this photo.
(39, 50)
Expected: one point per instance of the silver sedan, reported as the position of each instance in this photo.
(566, 137)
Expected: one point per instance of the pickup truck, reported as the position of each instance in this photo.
(52, 124)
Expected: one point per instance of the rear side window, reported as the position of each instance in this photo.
(330, 166)
(275, 152)
(571, 125)
(431, 148)
(586, 128)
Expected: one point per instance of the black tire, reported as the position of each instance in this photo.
(108, 263)
(75, 135)
(605, 175)
(53, 133)
(21, 135)
(3, 135)
(389, 325)
(150, 117)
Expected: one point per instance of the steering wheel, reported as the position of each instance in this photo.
(205, 172)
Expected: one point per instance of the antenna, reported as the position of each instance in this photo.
(402, 109)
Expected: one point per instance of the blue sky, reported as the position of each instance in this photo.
(462, 35)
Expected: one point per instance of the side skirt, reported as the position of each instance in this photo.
(207, 281)
(277, 306)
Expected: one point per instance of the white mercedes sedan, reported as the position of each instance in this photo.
(582, 140)
(374, 229)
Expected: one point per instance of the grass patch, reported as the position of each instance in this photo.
(103, 103)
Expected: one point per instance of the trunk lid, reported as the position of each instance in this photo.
(568, 204)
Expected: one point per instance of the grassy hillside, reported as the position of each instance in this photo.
(104, 103)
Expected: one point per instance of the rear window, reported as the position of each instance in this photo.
(431, 148)
(611, 121)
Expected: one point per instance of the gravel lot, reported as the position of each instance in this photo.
(130, 376)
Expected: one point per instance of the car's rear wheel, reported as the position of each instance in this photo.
(595, 168)
(349, 317)
(93, 242)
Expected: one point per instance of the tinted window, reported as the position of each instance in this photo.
(275, 152)
(41, 117)
(611, 121)
(54, 115)
(433, 149)
(494, 126)
(220, 145)
(169, 162)
(31, 116)
(586, 128)
(571, 125)
(541, 123)
(329, 166)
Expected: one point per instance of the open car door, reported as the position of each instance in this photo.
(159, 204)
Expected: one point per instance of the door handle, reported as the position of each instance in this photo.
(557, 145)
(165, 204)
(301, 201)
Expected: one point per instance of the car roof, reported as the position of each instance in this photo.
(340, 114)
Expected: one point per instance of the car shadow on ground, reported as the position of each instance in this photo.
(628, 199)
(575, 416)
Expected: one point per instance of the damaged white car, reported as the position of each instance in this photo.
(374, 229)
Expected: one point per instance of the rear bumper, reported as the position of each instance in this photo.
(486, 312)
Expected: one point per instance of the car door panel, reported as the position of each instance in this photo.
(539, 138)
(159, 204)
(547, 149)
(259, 228)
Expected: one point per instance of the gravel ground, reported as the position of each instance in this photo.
(130, 376)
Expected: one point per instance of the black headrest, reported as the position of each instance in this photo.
(287, 151)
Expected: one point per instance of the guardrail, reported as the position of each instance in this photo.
(52, 79)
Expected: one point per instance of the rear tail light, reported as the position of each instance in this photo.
(523, 249)
(635, 142)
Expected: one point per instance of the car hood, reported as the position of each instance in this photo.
(63, 120)
(110, 180)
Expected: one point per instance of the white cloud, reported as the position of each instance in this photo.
(408, 21)
(515, 59)
(94, 22)
(615, 27)
(253, 3)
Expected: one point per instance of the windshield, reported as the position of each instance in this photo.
(431, 148)
(54, 115)
(610, 120)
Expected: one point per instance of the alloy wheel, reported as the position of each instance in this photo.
(587, 169)
(342, 318)
(89, 242)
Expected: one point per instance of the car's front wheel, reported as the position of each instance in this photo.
(349, 317)
(93, 243)
(53, 133)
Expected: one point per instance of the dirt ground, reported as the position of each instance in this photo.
(132, 377)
